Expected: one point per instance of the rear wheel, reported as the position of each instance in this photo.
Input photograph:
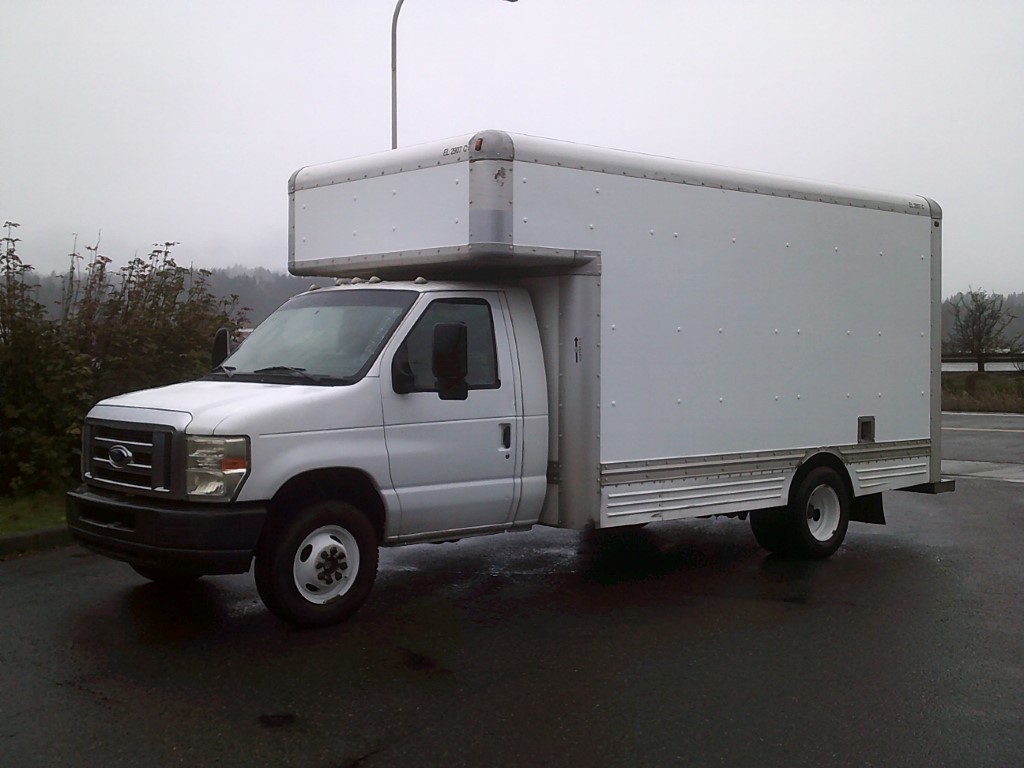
(815, 522)
(821, 513)
(317, 567)
(771, 528)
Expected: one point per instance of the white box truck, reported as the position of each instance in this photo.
(526, 332)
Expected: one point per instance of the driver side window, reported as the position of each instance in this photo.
(416, 351)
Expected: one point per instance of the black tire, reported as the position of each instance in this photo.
(771, 529)
(164, 576)
(814, 523)
(317, 567)
(820, 514)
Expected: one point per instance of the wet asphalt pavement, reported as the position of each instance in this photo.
(683, 644)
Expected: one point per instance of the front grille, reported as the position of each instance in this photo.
(129, 456)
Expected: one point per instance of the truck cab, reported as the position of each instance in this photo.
(408, 404)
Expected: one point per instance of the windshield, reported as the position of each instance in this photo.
(325, 337)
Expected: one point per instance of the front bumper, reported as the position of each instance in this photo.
(195, 538)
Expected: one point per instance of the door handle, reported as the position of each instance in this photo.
(506, 437)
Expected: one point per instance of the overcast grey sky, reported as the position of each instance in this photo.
(157, 120)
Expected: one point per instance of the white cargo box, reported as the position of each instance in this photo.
(720, 325)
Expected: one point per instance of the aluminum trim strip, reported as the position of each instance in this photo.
(872, 473)
(707, 486)
(754, 463)
(695, 505)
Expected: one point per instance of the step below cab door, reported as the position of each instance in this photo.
(454, 462)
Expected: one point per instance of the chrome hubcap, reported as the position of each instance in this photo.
(326, 564)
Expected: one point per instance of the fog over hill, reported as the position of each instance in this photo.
(260, 289)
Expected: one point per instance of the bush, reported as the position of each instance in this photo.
(43, 385)
(148, 324)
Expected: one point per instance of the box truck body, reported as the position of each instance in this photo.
(529, 331)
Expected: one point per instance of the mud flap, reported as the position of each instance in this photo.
(867, 509)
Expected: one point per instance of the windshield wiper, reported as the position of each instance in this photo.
(287, 370)
(290, 370)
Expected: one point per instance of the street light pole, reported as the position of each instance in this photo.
(394, 73)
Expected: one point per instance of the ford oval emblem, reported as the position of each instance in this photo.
(120, 457)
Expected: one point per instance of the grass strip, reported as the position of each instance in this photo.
(988, 392)
(32, 512)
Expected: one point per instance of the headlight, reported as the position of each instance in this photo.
(215, 467)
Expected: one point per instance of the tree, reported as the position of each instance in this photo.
(980, 324)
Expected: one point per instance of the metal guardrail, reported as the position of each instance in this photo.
(997, 358)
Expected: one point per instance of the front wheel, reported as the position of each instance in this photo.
(317, 567)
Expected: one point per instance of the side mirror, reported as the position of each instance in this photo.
(221, 347)
(403, 381)
(450, 360)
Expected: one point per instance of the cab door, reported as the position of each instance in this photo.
(454, 463)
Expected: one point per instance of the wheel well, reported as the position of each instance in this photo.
(823, 459)
(334, 484)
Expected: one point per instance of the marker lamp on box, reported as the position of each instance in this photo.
(215, 467)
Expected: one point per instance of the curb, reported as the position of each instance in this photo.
(16, 543)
